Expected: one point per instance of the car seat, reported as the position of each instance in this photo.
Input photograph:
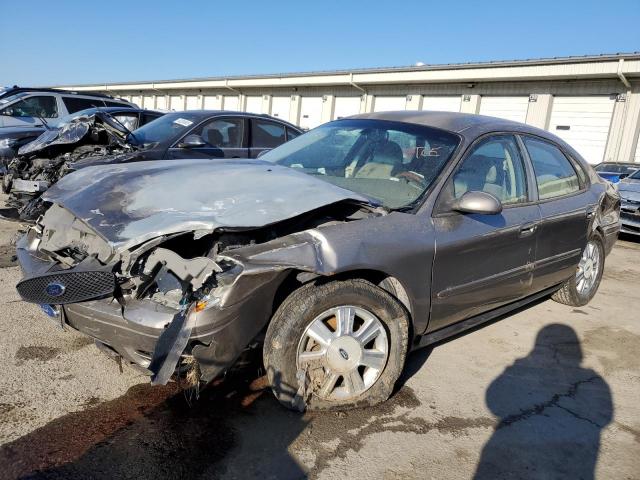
(386, 159)
(214, 138)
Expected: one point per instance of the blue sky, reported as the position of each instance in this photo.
(65, 42)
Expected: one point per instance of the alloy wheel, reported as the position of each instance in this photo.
(343, 350)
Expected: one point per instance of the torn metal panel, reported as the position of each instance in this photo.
(193, 271)
(171, 344)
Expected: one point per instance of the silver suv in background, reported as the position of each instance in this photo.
(23, 107)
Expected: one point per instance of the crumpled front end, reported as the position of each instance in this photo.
(193, 300)
(43, 161)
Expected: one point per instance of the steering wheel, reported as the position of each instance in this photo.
(412, 178)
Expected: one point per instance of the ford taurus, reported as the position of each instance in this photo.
(338, 252)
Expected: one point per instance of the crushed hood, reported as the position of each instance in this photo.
(73, 132)
(132, 203)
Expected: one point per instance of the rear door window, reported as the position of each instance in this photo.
(555, 175)
(117, 104)
(265, 134)
(75, 104)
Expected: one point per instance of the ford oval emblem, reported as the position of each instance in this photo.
(55, 289)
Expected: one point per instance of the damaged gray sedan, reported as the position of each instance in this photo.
(337, 253)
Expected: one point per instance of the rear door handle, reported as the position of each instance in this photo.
(591, 212)
(528, 229)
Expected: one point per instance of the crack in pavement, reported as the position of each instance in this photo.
(539, 408)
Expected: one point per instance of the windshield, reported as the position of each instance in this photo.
(391, 162)
(636, 176)
(616, 168)
(166, 127)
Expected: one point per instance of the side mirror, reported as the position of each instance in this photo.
(192, 141)
(478, 202)
(263, 152)
(623, 175)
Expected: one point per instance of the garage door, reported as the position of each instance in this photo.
(310, 112)
(389, 104)
(510, 108)
(230, 102)
(583, 122)
(148, 101)
(280, 107)
(193, 102)
(441, 104)
(212, 102)
(346, 106)
(137, 99)
(161, 102)
(176, 102)
(254, 104)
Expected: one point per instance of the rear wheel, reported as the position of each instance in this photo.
(336, 345)
(580, 289)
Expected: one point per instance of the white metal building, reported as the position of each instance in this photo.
(593, 102)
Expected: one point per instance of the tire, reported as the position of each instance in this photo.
(7, 182)
(570, 292)
(299, 387)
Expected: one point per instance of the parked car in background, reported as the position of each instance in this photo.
(614, 172)
(323, 250)
(629, 189)
(211, 134)
(27, 107)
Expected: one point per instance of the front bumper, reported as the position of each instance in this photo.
(630, 217)
(220, 334)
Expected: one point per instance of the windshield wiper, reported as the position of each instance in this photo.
(44, 123)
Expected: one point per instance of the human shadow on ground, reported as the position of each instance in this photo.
(551, 411)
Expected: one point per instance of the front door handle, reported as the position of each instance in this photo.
(528, 229)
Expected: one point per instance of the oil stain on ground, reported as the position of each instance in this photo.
(36, 352)
(8, 256)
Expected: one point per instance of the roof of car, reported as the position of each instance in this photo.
(15, 89)
(209, 113)
(624, 164)
(452, 121)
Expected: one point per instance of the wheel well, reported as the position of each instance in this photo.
(296, 278)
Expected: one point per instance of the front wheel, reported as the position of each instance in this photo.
(580, 289)
(340, 344)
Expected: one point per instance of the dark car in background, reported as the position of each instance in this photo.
(211, 134)
(614, 172)
(338, 252)
(629, 189)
